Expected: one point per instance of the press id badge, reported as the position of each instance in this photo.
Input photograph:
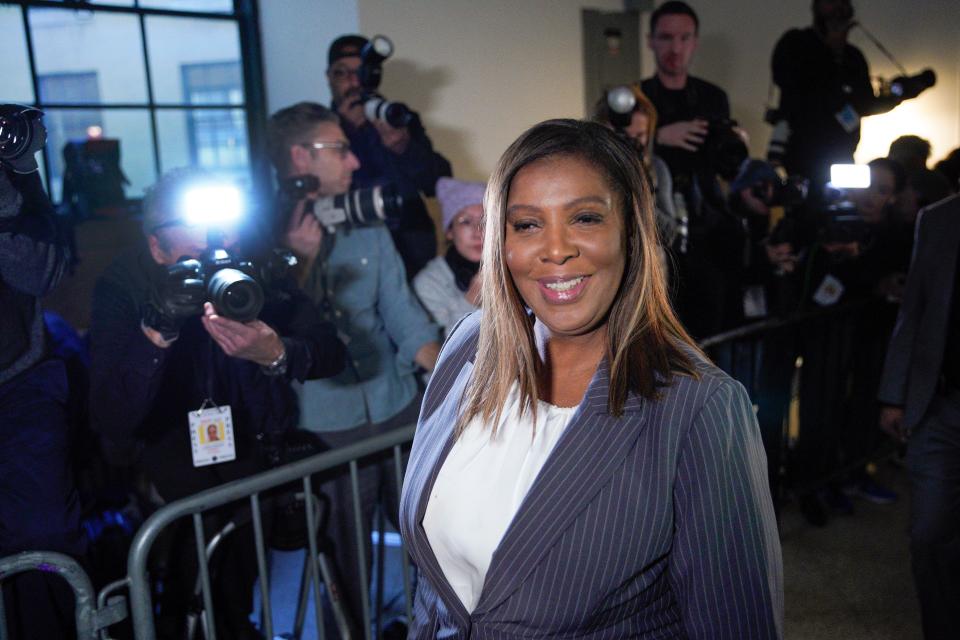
(848, 118)
(829, 291)
(211, 435)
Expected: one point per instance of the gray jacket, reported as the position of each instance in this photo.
(915, 355)
(656, 524)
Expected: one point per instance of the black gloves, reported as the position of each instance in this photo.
(176, 295)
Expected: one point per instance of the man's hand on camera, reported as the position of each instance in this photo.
(396, 140)
(304, 234)
(177, 296)
(687, 134)
(254, 341)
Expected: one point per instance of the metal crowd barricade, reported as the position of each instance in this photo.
(93, 617)
(251, 488)
(780, 359)
(761, 356)
(90, 617)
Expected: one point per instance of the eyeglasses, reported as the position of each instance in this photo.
(340, 73)
(343, 148)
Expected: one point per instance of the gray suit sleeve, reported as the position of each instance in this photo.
(896, 367)
(726, 567)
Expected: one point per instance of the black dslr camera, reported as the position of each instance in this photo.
(22, 134)
(375, 106)
(228, 282)
(723, 150)
(356, 208)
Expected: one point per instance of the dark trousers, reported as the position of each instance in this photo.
(39, 506)
(933, 458)
(378, 488)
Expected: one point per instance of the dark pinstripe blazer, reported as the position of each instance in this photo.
(657, 524)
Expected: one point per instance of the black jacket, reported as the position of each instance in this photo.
(140, 393)
(32, 261)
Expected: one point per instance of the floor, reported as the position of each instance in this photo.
(851, 579)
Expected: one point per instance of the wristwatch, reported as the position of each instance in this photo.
(278, 367)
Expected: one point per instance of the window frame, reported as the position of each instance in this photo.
(245, 14)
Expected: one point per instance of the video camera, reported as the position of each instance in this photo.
(22, 134)
(832, 215)
(356, 208)
(375, 106)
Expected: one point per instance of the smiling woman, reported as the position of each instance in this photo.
(579, 468)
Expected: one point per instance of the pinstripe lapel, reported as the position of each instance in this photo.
(588, 452)
(432, 444)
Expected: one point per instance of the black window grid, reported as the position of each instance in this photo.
(245, 14)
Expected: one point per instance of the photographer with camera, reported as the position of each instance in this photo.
(703, 149)
(184, 335)
(397, 152)
(357, 278)
(39, 506)
(825, 90)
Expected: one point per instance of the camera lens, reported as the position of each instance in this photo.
(235, 295)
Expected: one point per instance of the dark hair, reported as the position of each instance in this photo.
(291, 126)
(646, 344)
(910, 151)
(674, 8)
(895, 168)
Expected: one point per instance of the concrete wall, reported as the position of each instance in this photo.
(295, 36)
(480, 73)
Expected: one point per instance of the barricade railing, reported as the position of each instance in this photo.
(760, 355)
(251, 488)
(813, 372)
(90, 616)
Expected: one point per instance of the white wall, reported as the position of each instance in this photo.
(480, 73)
(295, 36)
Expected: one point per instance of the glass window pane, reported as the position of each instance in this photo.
(131, 127)
(214, 139)
(206, 72)
(17, 86)
(215, 6)
(88, 42)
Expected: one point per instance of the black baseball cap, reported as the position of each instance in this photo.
(345, 47)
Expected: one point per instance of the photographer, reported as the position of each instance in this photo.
(825, 90)
(164, 359)
(403, 156)
(703, 149)
(357, 278)
(39, 507)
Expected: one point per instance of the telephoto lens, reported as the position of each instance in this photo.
(235, 294)
(359, 208)
(396, 114)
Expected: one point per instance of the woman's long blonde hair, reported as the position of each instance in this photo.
(645, 340)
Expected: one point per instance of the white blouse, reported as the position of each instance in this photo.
(481, 485)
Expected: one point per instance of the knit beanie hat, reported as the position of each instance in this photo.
(454, 195)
